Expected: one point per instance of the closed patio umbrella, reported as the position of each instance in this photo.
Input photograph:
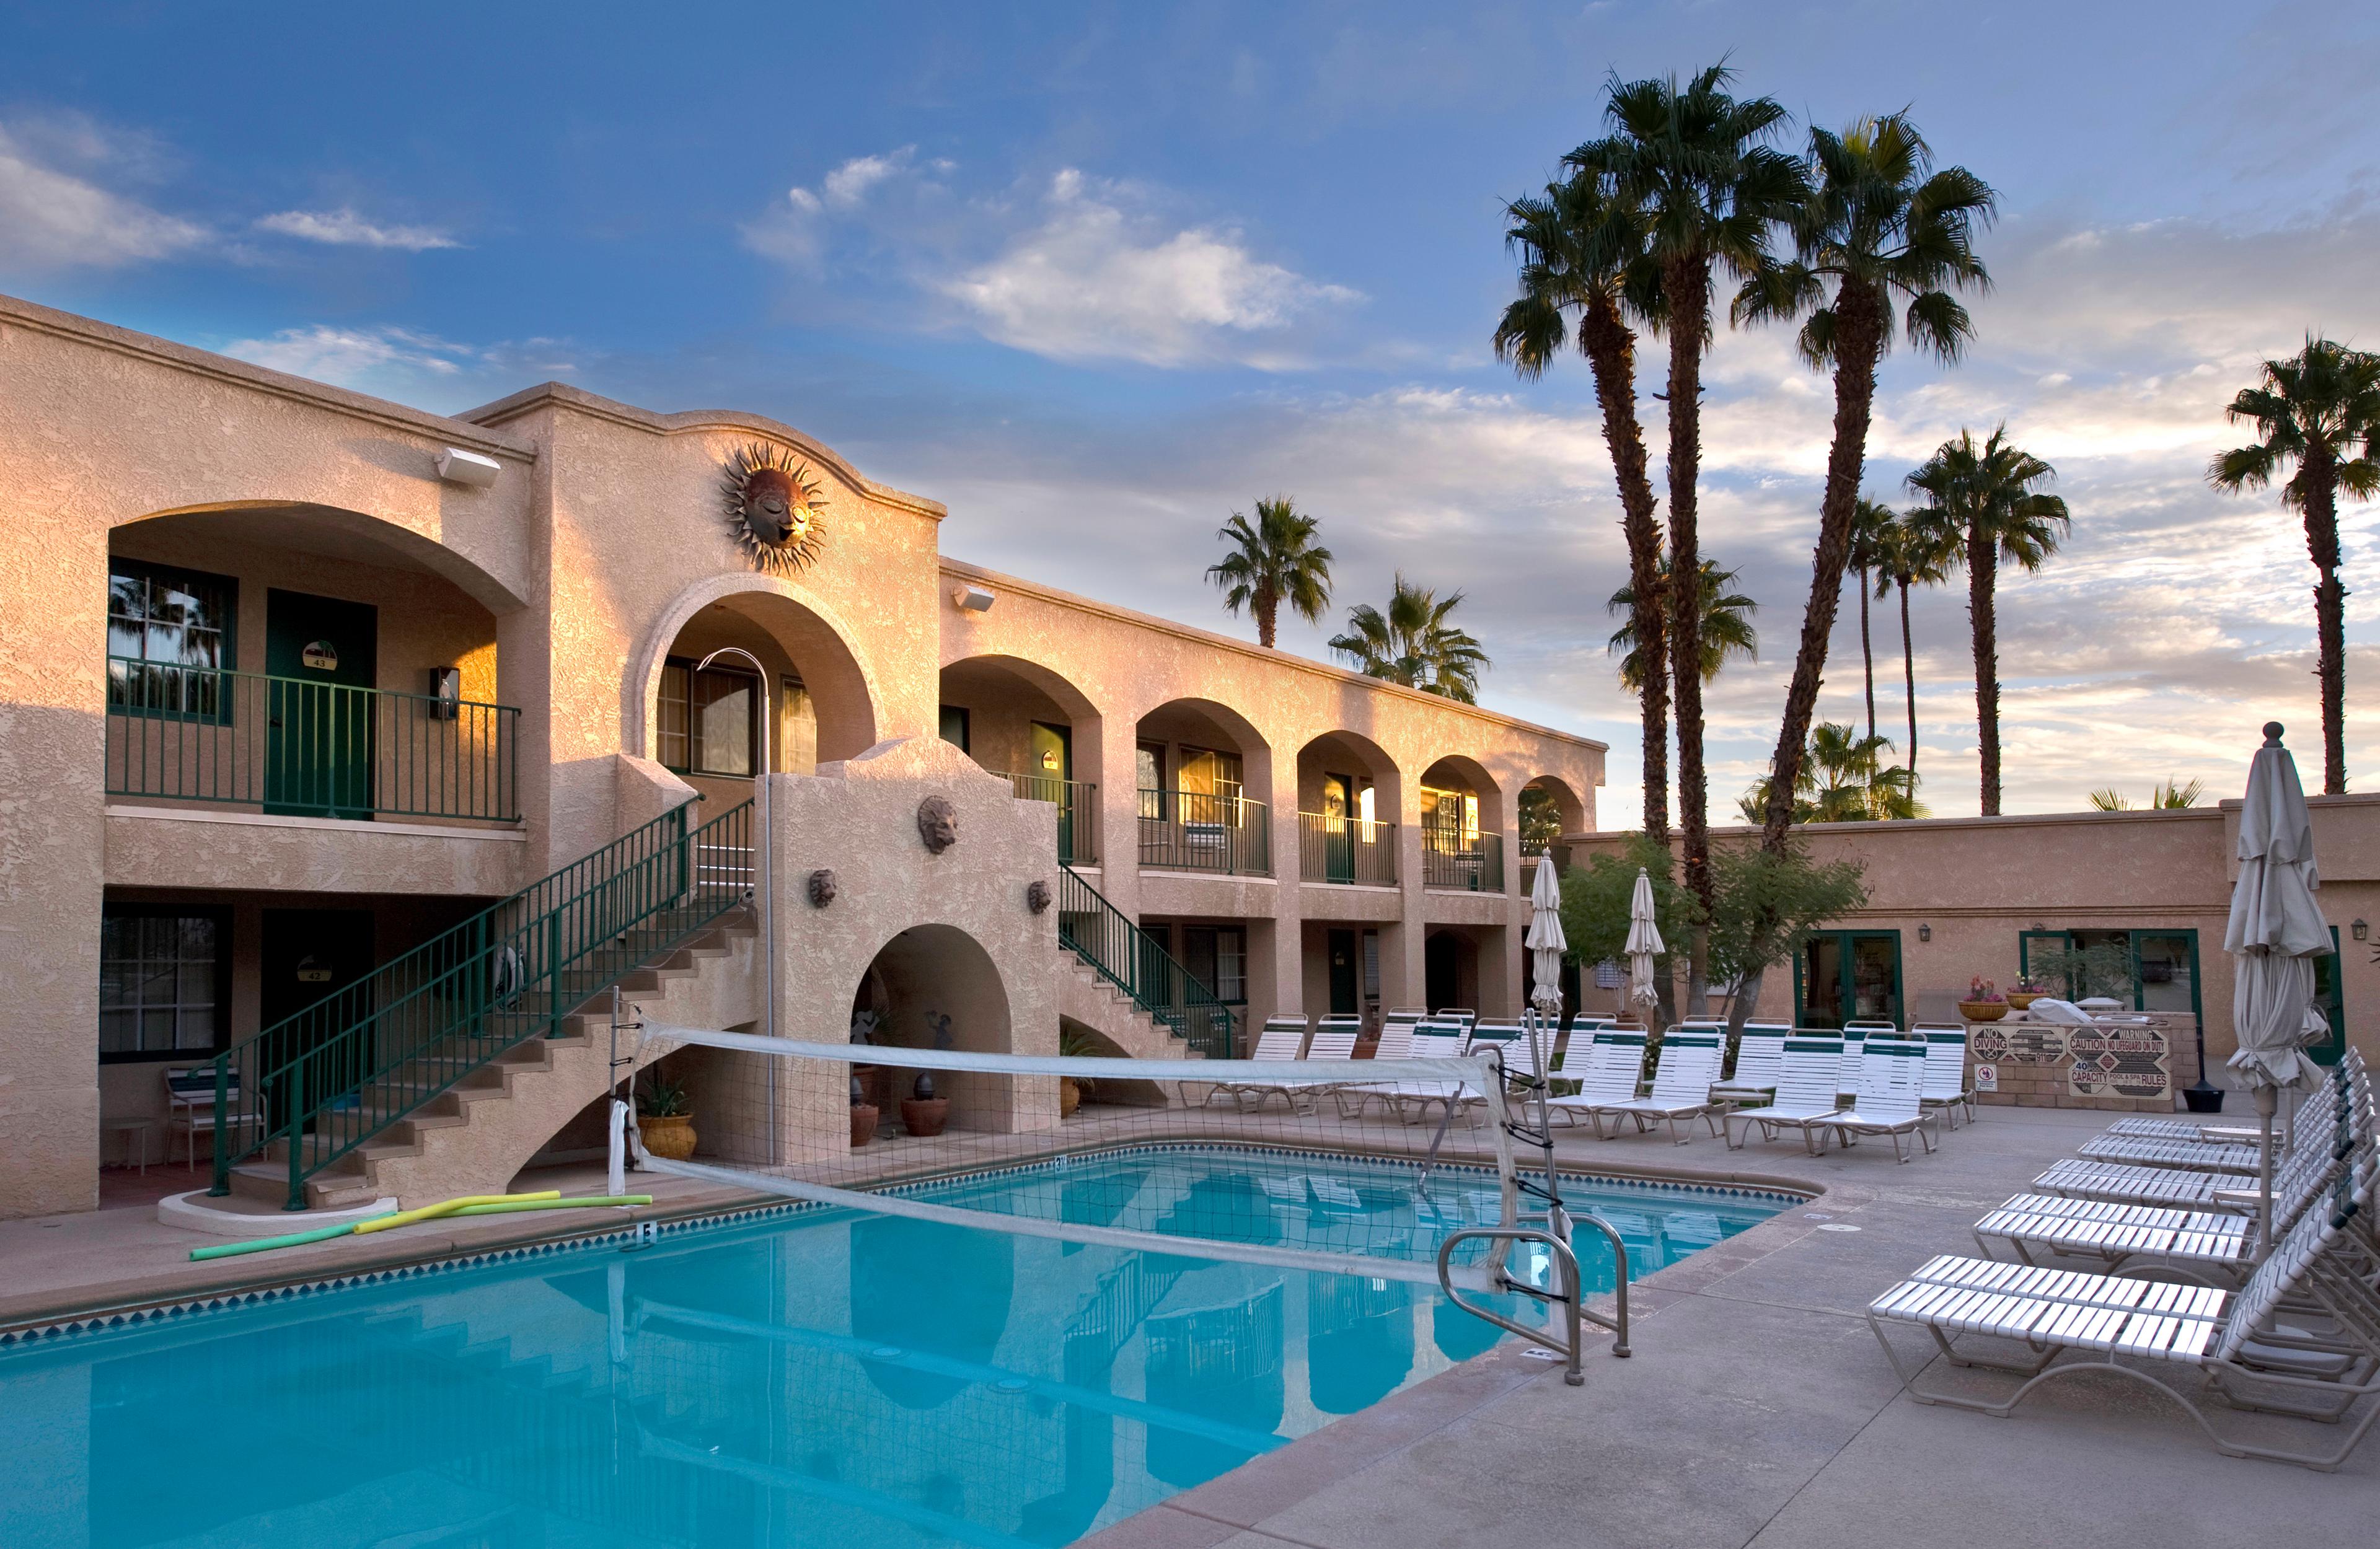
(1644, 944)
(1546, 942)
(2274, 932)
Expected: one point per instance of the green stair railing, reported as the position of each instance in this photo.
(339, 1072)
(1134, 961)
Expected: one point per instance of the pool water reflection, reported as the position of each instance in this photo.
(813, 1379)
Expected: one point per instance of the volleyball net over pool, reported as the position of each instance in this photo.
(1344, 1166)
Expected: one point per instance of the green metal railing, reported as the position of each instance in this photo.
(1136, 964)
(313, 749)
(1075, 800)
(1463, 860)
(325, 1081)
(1349, 850)
(1200, 830)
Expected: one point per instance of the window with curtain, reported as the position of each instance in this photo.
(1216, 956)
(710, 719)
(169, 635)
(162, 982)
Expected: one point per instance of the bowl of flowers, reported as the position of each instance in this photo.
(2024, 992)
(1984, 1001)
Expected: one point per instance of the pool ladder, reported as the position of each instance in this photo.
(1565, 1293)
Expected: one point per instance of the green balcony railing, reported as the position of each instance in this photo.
(1201, 830)
(323, 1082)
(1348, 850)
(1137, 964)
(1076, 800)
(308, 749)
(1462, 860)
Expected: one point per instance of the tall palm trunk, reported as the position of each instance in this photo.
(1859, 340)
(2330, 613)
(1611, 358)
(1687, 283)
(1982, 557)
(1867, 657)
(1908, 672)
(1266, 604)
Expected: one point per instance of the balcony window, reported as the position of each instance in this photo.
(179, 620)
(1217, 956)
(709, 719)
(163, 981)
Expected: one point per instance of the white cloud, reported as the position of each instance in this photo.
(849, 183)
(343, 228)
(55, 214)
(404, 363)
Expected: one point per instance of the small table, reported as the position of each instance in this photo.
(136, 1131)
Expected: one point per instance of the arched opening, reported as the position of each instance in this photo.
(1195, 763)
(1027, 724)
(306, 661)
(1349, 793)
(1450, 967)
(934, 987)
(1462, 827)
(807, 703)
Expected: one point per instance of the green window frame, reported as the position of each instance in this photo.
(2066, 940)
(165, 982)
(2330, 991)
(1847, 968)
(171, 634)
(687, 741)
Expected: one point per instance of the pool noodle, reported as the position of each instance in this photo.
(504, 1204)
(445, 1207)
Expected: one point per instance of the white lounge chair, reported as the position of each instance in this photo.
(1681, 1084)
(1805, 1092)
(1759, 1054)
(2179, 1187)
(2229, 1340)
(1847, 1076)
(1892, 1080)
(1282, 1038)
(1612, 1072)
(1410, 1099)
(1946, 1090)
(2192, 1155)
(1334, 1038)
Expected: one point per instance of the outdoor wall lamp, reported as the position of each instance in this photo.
(1926, 933)
(2361, 929)
(973, 599)
(458, 467)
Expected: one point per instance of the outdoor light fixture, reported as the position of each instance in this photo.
(458, 467)
(1926, 933)
(2361, 929)
(973, 599)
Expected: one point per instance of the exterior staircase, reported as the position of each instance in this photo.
(1146, 992)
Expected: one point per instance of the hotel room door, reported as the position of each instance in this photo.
(1848, 976)
(323, 655)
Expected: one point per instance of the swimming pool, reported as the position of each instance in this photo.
(799, 1377)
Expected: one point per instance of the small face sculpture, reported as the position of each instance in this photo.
(938, 824)
(773, 507)
(1037, 896)
(822, 888)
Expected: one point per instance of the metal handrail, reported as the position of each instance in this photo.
(305, 747)
(1073, 799)
(1355, 851)
(344, 1069)
(1138, 964)
(1204, 830)
(1567, 1292)
(1464, 860)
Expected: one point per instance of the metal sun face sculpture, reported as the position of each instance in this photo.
(773, 507)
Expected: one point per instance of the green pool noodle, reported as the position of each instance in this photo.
(286, 1239)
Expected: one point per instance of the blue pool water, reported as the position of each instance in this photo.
(808, 1378)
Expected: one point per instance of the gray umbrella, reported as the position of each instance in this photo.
(2275, 932)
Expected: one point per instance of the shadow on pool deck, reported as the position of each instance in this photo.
(1758, 1411)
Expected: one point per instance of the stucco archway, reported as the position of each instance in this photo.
(307, 527)
(850, 704)
(935, 987)
(1030, 724)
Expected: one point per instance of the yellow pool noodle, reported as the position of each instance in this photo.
(447, 1208)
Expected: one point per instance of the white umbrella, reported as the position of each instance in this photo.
(1545, 940)
(1643, 943)
(2274, 932)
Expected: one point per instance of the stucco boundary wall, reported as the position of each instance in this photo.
(1960, 891)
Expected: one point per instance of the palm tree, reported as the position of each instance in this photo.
(1411, 643)
(1273, 561)
(2172, 795)
(2314, 409)
(1983, 498)
(1910, 553)
(1566, 270)
(1880, 226)
(1726, 632)
(1869, 520)
(1702, 189)
(1843, 778)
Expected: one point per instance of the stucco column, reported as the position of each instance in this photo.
(1118, 814)
(1402, 979)
(1288, 934)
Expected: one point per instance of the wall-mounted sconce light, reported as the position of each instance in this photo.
(1926, 933)
(2362, 931)
(458, 467)
(973, 599)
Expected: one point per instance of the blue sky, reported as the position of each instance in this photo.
(1096, 276)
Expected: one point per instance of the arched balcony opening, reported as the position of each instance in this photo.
(1196, 761)
(1039, 732)
(1349, 793)
(1462, 827)
(710, 714)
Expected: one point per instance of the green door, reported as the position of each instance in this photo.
(323, 655)
(1345, 974)
(1848, 976)
(1052, 752)
(309, 956)
(1338, 829)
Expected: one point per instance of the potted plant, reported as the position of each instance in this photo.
(1075, 1044)
(863, 1116)
(666, 1119)
(922, 1114)
(2025, 991)
(1984, 1002)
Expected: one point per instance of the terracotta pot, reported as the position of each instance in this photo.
(1070, 1097)
(2021, 999)
(1983, 1011)
(671, 1138)
(863, 1123)
(923, 1117)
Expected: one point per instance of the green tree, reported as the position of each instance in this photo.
(1843, 778)
(1704, 191)
(1410, 642)
(1984, 499)
(1583, 257)
(1870, 521)
(2171, 795)
(1273, 560)
(2320, 410)
(1911, 553)
(1880, 229)
(1766, 901)
(1594, 899)
(1726, 632)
